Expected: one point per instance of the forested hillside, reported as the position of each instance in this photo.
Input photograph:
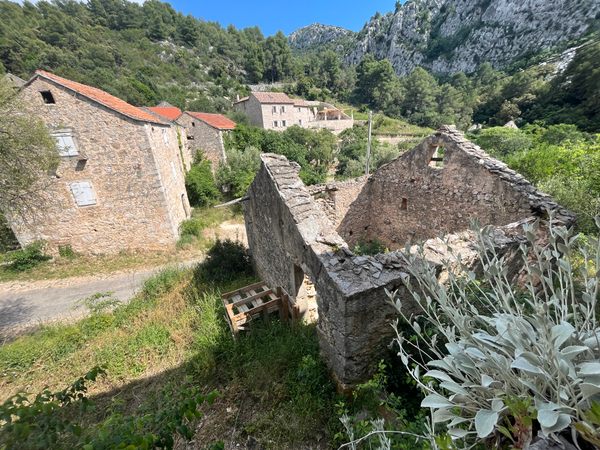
(150, 53)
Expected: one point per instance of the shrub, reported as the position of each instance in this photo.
(373, 247)
(200, 184)
(66, 251)
(235, 177)
(27, 258)
(515, 360)
(225, 261)
(501, 141)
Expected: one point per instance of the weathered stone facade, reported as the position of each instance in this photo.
(276, 111)
(205, 138)
(132, 169)
(292, 233)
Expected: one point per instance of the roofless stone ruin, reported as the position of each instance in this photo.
(298, 234)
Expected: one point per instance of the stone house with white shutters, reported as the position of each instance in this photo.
(277, 111)
(120, 181)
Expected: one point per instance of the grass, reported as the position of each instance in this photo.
(170, 338)
(72, 265)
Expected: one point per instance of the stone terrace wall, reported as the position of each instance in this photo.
(335, 126)
(131, 210)
(408, 201)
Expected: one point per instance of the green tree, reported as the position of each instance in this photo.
(200, 184)
(419, 103)
(377, 84)
(278, 58)
(27, 153)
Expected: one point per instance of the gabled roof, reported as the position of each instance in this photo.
(168, 112)
(242, 100)
(101, 97)
(272, 97)
(218, 121)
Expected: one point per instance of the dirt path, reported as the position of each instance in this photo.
(26, 304)
(50, 300)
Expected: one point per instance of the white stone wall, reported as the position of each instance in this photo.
(133, 210)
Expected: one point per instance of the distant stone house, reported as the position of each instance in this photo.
(120, 181)
(203, 131)
(277, 111)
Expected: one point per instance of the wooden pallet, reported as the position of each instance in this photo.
(245, 304)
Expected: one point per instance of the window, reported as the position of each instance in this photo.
(83, 192)
(48, 97)
(437, 159)
(404, 205)
(275, 123)
(300, 122)
(299, 109)
(65, 143)
(165, 136)
(284, 123)
(274, 109)
(282, 109)
(193, 124)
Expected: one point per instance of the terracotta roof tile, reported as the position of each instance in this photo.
(103, 98)
(272, 97)
(218, 121)
(167, 112)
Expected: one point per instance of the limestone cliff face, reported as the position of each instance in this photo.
(317, 36)
(447, 36)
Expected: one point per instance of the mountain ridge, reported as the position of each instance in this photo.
(448, 36)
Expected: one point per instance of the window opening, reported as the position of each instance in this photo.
(437, 159)
(404, 205)
(48, 97)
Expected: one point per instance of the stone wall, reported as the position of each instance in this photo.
(408, 200)
(289, 236)
(133, 210)
(253, 109)
(335, 198)
(335, 126)
(291, 233)
(205, 138)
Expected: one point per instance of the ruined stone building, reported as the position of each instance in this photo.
(277, 111)
(203, 132)
(120, 181)
(435, 190)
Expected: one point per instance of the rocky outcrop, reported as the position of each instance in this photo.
(317, 36)
(448, 36)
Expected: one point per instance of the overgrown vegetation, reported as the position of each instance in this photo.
(25, 259)
(200, 183)
(225, 261)
(499, 362)
(560, 159)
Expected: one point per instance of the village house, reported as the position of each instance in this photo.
(120, 181)
(277, 111)
(303, 239)
(204, 131)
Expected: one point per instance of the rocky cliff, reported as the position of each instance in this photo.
(448, 36)
(317, 36)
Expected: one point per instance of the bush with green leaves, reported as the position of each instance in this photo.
(27, 258)
(46, 420)
(225, 261)
(200, 184)
(507, 360)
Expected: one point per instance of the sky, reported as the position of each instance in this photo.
(285, 15)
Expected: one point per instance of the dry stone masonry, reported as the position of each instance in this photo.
(295, 232)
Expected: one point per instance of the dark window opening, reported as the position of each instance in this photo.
(193, 124)
(404, 205)
(48, 97)
(437, 159)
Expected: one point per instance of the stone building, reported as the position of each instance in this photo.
(120, 181)
(277, 111)
(434, 190)
(201, 132)
(205, 133)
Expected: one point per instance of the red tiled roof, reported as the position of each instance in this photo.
(272, 97)
(168, 112)
(104, 98)
(301, 103)
(217, 121)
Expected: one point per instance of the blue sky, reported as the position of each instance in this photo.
(284, 15)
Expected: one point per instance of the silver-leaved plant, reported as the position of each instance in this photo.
(494, 356)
